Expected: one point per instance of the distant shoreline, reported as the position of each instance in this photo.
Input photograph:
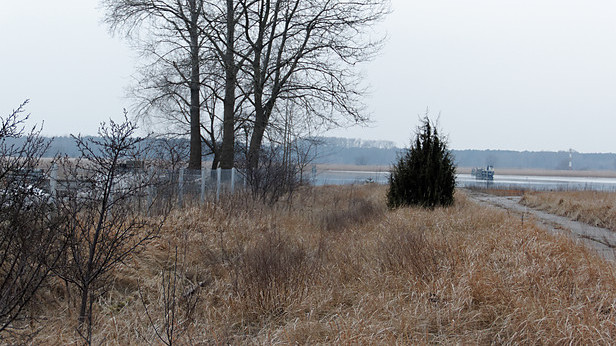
(546, 172)
(467, 170)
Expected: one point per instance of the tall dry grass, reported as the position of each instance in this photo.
(592, 207)
(316, 270)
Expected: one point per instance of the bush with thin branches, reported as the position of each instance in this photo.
(30, 244)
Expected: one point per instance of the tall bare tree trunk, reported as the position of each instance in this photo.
(195, 85)
(256, 140)
(228, 138)
(83, 306)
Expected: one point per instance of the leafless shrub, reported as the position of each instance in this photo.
(274, 177)
(102, 228)
(29, 241)
(175, 296)
(272, 275)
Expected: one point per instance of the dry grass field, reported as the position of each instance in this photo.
(335, 266)
(592, 207)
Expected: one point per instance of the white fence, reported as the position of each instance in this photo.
(206, 182)
(181, 185)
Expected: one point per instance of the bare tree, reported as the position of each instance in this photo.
(102, 227)
(163, 100)
(249, 55)
(220, 33)
(29, 241)
(191, 45)
(176, 27)
(305, 51)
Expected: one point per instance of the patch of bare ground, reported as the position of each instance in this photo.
(592, 207)
(334, 266)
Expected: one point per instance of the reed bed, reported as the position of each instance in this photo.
(333, 265)
(596, 208)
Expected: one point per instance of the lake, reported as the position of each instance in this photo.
(527, 182)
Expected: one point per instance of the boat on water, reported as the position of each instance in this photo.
(483, 173)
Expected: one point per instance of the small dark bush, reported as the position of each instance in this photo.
(425, 174)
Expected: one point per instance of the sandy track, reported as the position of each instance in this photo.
(600, 239)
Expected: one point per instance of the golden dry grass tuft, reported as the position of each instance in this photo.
(316, 270)
(596, 208)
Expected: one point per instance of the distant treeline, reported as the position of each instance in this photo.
(64, 145)
(349, 151)
(338, 151)
(535, 159)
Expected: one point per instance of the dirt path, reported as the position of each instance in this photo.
(600, 239)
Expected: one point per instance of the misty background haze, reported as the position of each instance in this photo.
(518, 75)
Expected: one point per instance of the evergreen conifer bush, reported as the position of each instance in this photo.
(425, 173)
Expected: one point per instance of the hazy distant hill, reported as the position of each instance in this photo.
(334, 150)
(535, 159)
(355, 151)
(352, 151)
(60, 145)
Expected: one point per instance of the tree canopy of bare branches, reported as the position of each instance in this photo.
(175, 60)
(305, 52)
(245, 60)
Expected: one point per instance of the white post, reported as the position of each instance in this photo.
(53, 182)
(202, 185)
(314, 175)
(218, 173)
(233, 180)
(150, 190)
(181, 188)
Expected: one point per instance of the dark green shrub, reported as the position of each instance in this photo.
(425, 174)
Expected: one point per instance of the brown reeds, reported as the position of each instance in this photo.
(262, 275)
(596, 208)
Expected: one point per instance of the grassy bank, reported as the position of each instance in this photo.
(334, 266)
(592, 207)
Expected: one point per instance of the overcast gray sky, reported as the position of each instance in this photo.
(517, 74)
